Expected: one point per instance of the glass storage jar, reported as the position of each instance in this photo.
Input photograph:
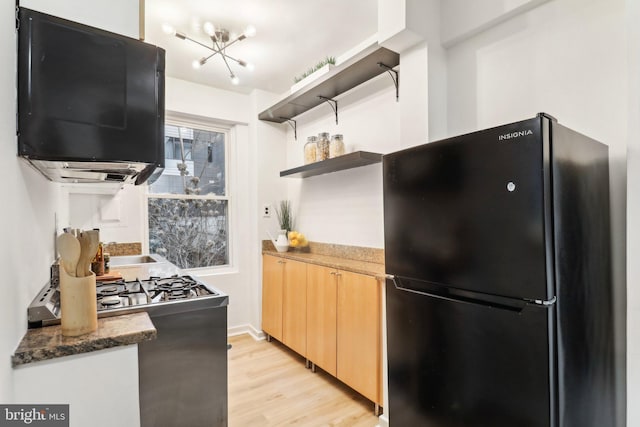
(107, 260)
(323, 146)
(336, 147)
(310, 150)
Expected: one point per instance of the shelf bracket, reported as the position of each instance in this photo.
(396, 78)
(333, 103)
(294, 126)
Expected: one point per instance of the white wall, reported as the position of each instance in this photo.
(118, 16)
(117, 212)
(346, 207)
(401, 23)
(28, 215)
(464, 18)
(207, 102)
(567, 58)
(268, 142)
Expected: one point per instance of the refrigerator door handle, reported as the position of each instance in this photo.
(459, 296)
(544, 303)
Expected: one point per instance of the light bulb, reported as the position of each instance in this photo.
(234, 79)
(196, 64)
(168, 29)
(250, 31)
(209, 28)
(248, 65)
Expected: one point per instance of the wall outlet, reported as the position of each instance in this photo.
(266, 211)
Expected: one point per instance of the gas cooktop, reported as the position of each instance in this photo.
(120, 293)
(115, 297)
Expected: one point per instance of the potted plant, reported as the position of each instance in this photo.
(321, 68)
(285, 215)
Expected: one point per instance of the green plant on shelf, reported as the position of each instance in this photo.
(328, 60)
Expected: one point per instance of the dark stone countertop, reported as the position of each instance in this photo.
(49, 343)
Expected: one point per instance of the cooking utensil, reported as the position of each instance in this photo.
(88, 247)
(69, 250)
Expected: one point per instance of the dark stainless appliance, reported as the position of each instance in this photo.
(499, 300)
(182, 373)
(120, 294)
(90, 102)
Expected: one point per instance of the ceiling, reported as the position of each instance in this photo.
(292, 36)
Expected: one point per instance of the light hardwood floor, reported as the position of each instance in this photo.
(270, 386)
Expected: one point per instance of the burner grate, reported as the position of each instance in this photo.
(175, 288)
(120, 293)
(104, 289)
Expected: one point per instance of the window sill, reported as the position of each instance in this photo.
(212, 271)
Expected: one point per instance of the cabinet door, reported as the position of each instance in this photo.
(321, 317)
(272, 276)
(294, 307)
(359, 338)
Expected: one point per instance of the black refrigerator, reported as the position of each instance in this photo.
(498, 291)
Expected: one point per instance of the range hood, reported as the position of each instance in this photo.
(97, 172)
(90, 102)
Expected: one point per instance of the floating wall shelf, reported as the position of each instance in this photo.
(348, 161)
(358, 69)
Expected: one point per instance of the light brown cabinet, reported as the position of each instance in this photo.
(294, 306)
(272, 284)
(284, 301)
(358, 334)
(343, 327)
(332, 317)
(322, 293)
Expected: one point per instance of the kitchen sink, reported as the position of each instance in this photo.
(134, 259)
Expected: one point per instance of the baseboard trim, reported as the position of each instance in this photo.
(246, 329)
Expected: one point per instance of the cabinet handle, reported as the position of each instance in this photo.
(333, 273)
(281, 262)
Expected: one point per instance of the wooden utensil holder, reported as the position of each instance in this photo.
(78, 308)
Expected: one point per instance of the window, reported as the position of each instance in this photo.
(188, 205)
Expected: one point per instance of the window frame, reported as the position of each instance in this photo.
(200, 123)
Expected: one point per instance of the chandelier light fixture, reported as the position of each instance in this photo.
(220, 41)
